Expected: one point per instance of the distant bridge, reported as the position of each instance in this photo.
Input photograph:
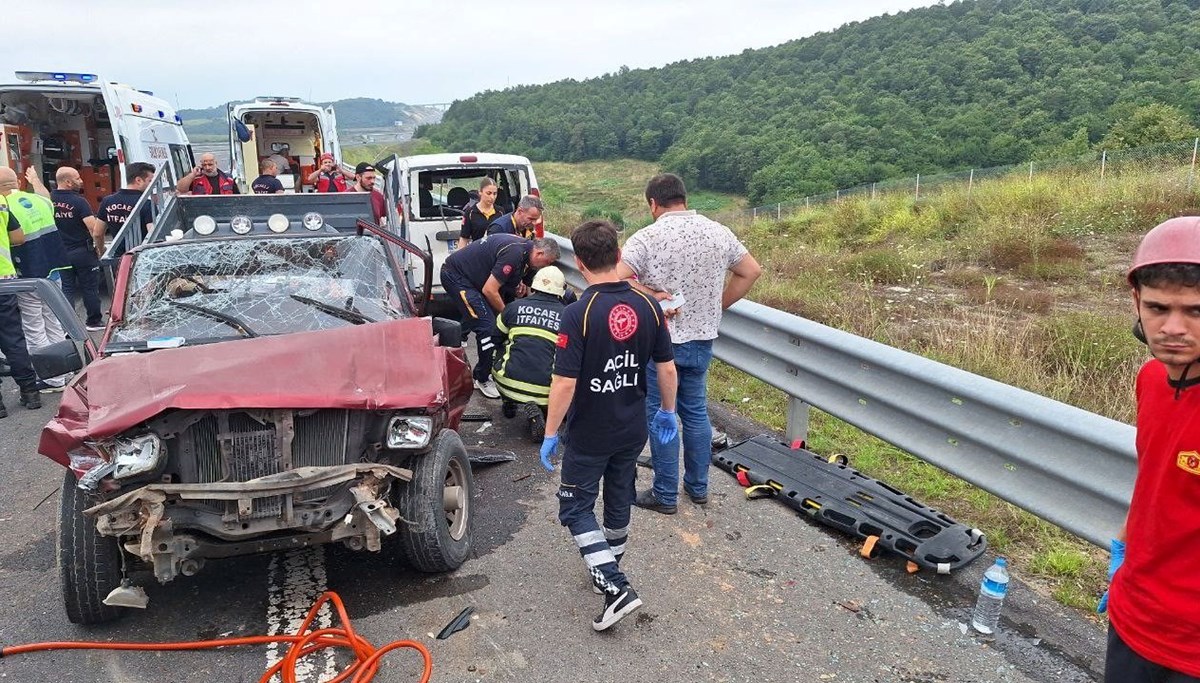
(434, 105)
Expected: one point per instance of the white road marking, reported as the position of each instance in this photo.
(295, 579)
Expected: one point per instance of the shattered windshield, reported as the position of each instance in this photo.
(227, 289)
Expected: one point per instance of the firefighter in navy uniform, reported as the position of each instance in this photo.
(605, 344)
(529, 328)
(476, 279)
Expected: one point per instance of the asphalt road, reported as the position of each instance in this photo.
(735, 591)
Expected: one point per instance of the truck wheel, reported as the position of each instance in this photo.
(89, 565)
(438, 506)
(537, 421)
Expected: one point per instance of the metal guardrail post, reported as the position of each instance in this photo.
(797, 420)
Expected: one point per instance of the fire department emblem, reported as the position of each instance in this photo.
(1189, 461)
(622, 322)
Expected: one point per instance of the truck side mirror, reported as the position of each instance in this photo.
(56, 359)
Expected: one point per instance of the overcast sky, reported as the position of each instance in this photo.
(414, 51)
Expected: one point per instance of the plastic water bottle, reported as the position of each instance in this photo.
(991, 597)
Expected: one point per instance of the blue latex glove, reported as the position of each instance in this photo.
(665, 426)
(549, 446)
(1116, 557)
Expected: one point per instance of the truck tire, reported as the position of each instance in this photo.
(438, 506)
(89, 565)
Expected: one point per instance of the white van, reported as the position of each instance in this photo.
(298, 131)
(434, 188)
(54, 119)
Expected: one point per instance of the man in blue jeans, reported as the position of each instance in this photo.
(686, 257)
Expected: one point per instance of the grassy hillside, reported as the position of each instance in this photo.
(609, 189)
(967, 84)
(1019, 281)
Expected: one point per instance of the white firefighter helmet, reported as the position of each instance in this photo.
(550, 280)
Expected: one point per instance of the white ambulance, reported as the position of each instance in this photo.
(280, 127)
(53, 119)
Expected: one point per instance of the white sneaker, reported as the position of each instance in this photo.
(488, 389)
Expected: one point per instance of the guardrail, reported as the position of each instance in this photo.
(1070, 467)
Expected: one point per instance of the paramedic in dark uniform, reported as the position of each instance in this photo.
(605, 344)
(207, 179)
(529, 330)
(521, 222)
(475, 278)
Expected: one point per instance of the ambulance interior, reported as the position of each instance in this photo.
(54, 128)
(294, 135)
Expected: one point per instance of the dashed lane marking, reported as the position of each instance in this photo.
(295, 579)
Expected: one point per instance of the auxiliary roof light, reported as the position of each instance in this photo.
(313, 220)
(204, 225)
(241, 224)
(278, 222)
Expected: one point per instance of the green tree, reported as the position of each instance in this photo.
(1150, 124)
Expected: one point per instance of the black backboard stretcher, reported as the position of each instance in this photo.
(837, 495)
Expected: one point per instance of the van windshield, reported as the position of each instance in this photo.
(445, 192)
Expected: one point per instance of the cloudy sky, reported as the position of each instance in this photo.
(415, 51)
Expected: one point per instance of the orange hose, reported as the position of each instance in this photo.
(363, 669)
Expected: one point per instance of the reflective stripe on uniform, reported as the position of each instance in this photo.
(466, 303)
(7, 269)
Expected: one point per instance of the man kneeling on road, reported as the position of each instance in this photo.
(528, 330)
(605, 344)
(1154, 634)
(477, 277)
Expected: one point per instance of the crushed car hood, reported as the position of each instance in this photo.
(376, 366)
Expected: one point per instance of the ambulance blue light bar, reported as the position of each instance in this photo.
(59, 76)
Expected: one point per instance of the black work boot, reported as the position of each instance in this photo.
(31, 399)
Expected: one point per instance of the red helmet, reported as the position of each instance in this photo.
(1176, 240)
(325, 156)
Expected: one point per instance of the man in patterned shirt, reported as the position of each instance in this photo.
(685, 255)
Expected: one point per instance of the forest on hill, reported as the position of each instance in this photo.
(968, 84)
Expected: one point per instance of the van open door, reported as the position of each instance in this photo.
(237, 166)
(145, 129)
(329, 130)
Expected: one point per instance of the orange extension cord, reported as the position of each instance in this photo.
(366, 657)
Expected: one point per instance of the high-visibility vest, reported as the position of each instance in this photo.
(7, 269)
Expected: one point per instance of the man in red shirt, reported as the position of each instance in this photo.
(1154, 599)
(365, 175)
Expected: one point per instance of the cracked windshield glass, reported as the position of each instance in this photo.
(218, 290)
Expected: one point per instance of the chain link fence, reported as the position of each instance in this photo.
(1180, 156)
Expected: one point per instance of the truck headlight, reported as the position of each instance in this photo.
(135, 455)
(406, 431)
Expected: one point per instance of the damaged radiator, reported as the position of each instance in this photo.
(244, 445)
